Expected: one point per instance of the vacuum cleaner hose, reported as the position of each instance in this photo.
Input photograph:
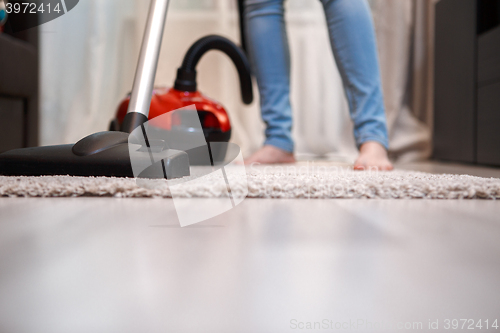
(186, 74)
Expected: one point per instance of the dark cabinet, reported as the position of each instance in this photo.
(467, 81)
(19, 87)
(12, 118)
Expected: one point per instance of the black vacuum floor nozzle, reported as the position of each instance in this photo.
(101, 154)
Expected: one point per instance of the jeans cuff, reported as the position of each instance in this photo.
(285, 145)
(383, 141)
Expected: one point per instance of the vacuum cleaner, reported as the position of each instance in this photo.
(108, 153)
(214, 119)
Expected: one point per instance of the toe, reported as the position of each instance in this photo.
(359, 166)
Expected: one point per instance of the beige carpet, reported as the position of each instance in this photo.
(271, 182)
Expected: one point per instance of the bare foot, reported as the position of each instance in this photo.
(373, 156)
(270, 155)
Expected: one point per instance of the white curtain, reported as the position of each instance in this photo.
(86, 60)
(89, 57)
(405, 40)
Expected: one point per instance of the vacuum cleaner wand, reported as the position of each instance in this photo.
(142, 90)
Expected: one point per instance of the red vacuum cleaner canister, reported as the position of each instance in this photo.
(213, 117)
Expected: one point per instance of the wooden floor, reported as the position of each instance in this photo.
(125, 265)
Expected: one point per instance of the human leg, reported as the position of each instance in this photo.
(269, 53)
(352, 37)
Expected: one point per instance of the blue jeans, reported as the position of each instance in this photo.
(352, 38)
